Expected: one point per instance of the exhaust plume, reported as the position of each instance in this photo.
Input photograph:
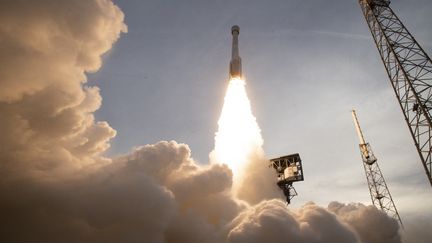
(238, 143)
(238, 137)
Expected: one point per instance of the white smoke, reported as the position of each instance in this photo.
(47, 121)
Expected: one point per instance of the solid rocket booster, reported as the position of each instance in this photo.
(235, 63)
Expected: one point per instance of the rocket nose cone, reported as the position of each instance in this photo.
(235, 29)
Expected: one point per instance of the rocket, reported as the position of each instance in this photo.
(235, 63)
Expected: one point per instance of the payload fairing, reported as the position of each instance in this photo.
(235, 63)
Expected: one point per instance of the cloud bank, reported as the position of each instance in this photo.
(57, 187)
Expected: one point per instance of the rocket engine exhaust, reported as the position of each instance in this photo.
(238, 140)
(235, 63)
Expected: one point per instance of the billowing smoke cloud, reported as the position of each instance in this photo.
(270, 221)
(46, 47)
(56, 187)
(155, 194)
(258, 182)
(371, 225)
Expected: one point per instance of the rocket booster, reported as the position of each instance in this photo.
(235, 63)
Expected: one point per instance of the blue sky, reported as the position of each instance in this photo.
(307, 64)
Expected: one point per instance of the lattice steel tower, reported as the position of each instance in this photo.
(378, 189)
(410, 71)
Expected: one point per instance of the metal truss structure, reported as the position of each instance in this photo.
(410, 71)
(289, 169)
(378, 189)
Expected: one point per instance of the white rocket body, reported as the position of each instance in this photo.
(235, 63)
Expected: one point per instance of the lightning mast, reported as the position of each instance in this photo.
(410, 71)
(378, 189)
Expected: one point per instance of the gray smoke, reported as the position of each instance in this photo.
(56, 186)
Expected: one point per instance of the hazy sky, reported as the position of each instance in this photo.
(307, 64)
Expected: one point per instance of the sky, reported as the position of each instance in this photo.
(307, 65)
(109, 111)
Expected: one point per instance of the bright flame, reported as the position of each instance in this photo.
(238, 137)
